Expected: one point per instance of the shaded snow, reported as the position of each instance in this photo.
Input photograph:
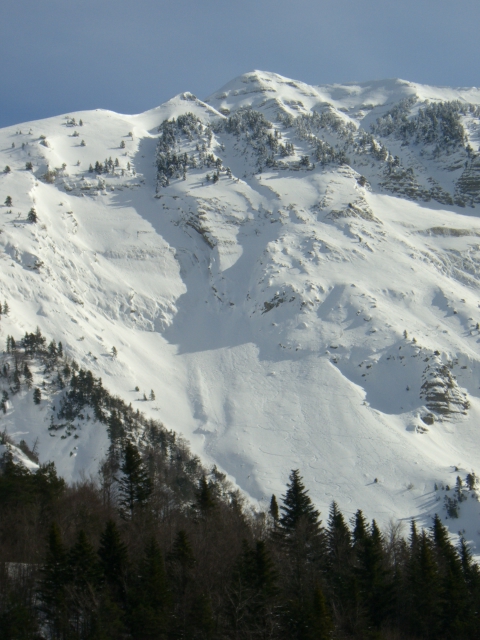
(267, 312)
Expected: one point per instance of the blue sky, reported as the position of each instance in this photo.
(66, 55)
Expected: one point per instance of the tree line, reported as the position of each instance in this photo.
(129, 558)
(158, 546)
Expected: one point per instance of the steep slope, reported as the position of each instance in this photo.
(292, 269)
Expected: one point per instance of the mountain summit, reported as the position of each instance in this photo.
(287, 275)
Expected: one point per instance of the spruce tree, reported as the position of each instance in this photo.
(374, 579)
(181, 562)
(201, 623)
(52, 591)
(32, 216)
(273, 510)
(150, 615)
(84, 578)
(135, 486)
(340, 564)
(424, 589)
(297, 506)
(308, 618)
(471, 574)
(113, 561)
(452, 580)
(253, 592)
(205, 496)
(360, 533)
(83, 566)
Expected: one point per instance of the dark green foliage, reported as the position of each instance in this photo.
(374, 579)
(253, 593)
(135, 485)
(471, 481)
(201, 623)
(105, 578)
(205, 496)
(8, 201)
(37, 395)
(346, 583)
(340, 563)
(425, 590)
(83, 583)
(274, 512)
(170, 162)
(149, 617)
(436, 123)
(297, 506)
(53, 585)
(309, 618)
(18, 486)
(113, 561)
(32, 215)
(181, 563)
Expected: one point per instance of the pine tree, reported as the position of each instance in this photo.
(52, 349)
(273, 510)
(205, 496)
(423, 589)
(115, 427)
(8, 201)
(308, 618)
(135, 486)
(83, 573)
(113, 561)
(321, 620)
(152, 601)
(37, 395)
(32, 216)
(83, 567)
(201, 623)
(471, 574)
(452, 580)
(253, 592)
(360, 533)
(375, 582)
(340, 563)
(181, 562)
(28, 376)
(297, 506)
(52, 591)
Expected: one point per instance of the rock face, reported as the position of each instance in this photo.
(277, 263)
(441, 392)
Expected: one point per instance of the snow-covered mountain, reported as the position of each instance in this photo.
(293, 270)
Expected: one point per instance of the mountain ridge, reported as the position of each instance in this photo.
(288, 309)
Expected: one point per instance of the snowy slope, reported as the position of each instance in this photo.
(287, 315)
